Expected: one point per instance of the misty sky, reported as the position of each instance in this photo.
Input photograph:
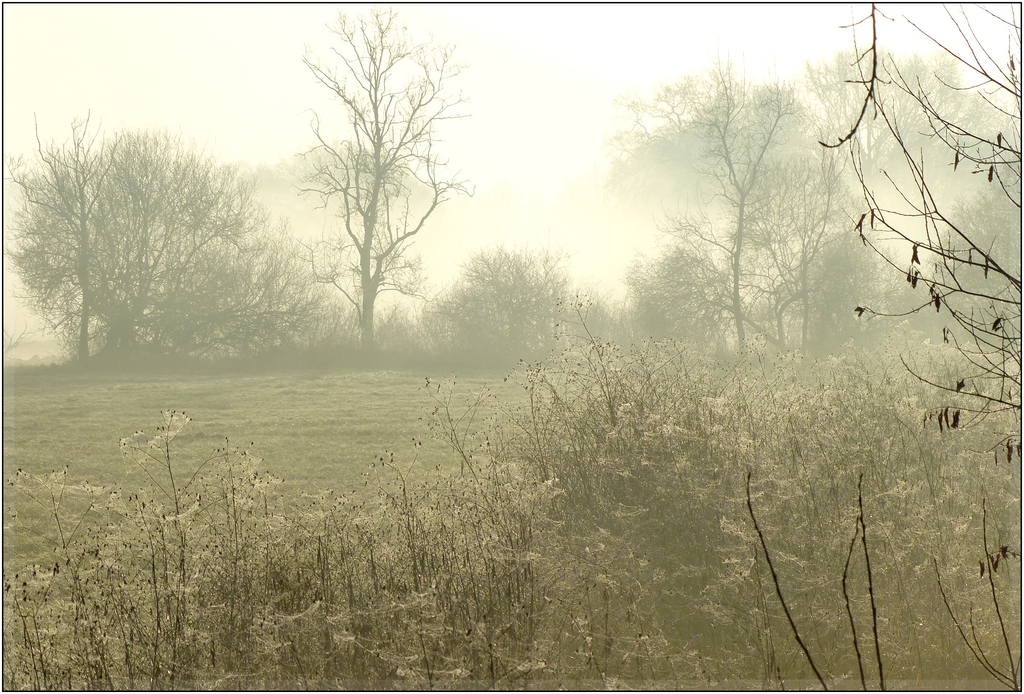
(541, 80)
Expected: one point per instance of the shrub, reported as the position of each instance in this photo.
(207, 578)
(503, 306)
(654, 444)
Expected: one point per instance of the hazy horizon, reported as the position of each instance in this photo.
(541, 84)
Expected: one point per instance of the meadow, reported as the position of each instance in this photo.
(313, 430)
(653, 517)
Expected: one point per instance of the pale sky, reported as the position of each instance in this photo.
(541, 80)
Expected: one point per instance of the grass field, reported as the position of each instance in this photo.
(603, 535)
(316, 431)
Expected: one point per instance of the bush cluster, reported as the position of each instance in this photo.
(655, 444)
(208, 579)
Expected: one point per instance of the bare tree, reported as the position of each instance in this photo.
(755, 252)
(386, 179)
(798, 251)
(967, 257)
(799, 266)
(13, 339)
(740, 125)
(166, 204)
(191, 262)
(54, 232)
(504, 304)
(171, 252)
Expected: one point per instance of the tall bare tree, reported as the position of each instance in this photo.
(740, 124)
(54, 228)
(797, 244)
(386, 179)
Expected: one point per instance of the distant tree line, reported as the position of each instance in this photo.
(139, 240)
(759, 219)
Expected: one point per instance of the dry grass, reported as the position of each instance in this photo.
(313, 431)
(450, 579)
(590, 528)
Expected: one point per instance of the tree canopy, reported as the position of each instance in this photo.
(140, 240)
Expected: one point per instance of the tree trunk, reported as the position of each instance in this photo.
(737, 305)
(84, 282)
(368, 280)
(806, 306)
(83, 329)
(367, 340)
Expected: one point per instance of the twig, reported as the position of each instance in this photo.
(778, 590)
(982, 661)
(871, 590)
(869, 96)
(849, 612)
(995, 600)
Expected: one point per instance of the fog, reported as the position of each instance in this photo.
(541, 84)
(541, 347)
